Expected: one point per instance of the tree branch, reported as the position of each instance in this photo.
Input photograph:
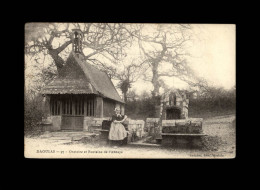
(61, 48)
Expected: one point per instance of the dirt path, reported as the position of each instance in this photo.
(223, 129)
(219, 144)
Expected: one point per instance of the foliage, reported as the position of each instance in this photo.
(106, 45)
(142, 106)
(168, 45)
(33, 114)
(128, 76)
(214, 100)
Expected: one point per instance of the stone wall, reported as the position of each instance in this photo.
(137, 127)
(87, 123)
(56, 123)
(153, 127)
(90, 123)
(191, 125)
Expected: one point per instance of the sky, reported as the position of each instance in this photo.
(213, 57)
(217, 62)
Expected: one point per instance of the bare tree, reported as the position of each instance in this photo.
(103, 39)
(128, 76)
(167, 44)
(103, 43)
(107, 43)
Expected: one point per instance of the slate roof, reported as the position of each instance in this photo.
(79, 77)
(68, 86)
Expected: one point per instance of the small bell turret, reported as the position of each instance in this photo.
(77, 41)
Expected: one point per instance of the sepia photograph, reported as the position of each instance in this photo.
(129, 90)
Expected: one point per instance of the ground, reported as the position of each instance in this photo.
(220, 143)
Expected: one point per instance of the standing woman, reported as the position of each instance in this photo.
(117, 132)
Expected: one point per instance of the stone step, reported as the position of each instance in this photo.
(144, 144)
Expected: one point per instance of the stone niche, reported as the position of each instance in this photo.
(174, 105)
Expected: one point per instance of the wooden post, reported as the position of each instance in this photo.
(60, 103)
(73, 106)
(95, 106)
(47, 109)
(99, 108)
(90, 107)
(85, 105)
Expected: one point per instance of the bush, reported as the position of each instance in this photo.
(33, 114)
(215, 102)
(218, 102)
(141, 109)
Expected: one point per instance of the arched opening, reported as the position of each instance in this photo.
(173, 113)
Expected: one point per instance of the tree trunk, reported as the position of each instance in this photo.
(54, 53)
(59, 62)
(155, 64)
(155, 80)
(125, 96)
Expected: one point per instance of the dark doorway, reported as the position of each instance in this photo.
(72, 112)
(173, 113)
